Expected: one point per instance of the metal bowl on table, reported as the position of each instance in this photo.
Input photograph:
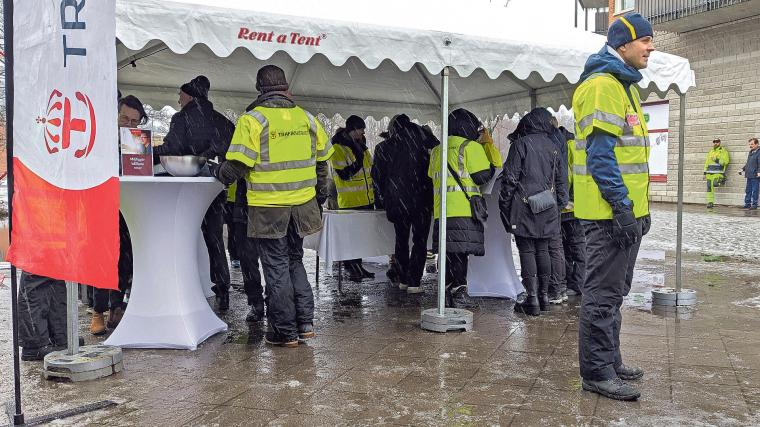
(182, 165)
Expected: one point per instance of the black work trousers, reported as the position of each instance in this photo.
(534, 257)
(289, 298)
(412, 267)
(213, 233)
(105, 299)
(609, 274)
(42, 311)
(574, 243)
(456, 269)
(232, 237)
(249, 265)
(557, 282)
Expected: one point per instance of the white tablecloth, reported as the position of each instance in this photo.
(167, 306)
(362, 234)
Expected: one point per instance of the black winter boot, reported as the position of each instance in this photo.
(530, 306)
(543, 292)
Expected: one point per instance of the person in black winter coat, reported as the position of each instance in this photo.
(198, 130)
(404, 190)
(533, 165)
(558, 282)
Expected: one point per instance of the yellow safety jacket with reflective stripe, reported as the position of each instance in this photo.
(466, 158)
(601, 103)
(571, 194)
(356, 191)
(282, 147)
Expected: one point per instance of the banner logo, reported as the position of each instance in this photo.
(64, 131)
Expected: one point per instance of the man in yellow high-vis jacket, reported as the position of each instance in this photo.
(715, 170)
(611, 186)
(352, 174)
(281, 151)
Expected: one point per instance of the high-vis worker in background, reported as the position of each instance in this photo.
(611, 186)
(715, 170)
(352, 174)
(281, 150)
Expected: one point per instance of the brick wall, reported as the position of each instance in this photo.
(725, 104)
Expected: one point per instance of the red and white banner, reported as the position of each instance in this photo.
(66, 189)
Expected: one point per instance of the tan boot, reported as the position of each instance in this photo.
(98, 324)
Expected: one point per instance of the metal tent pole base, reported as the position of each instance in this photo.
(91, 362)
(453, 319)
(670, 297)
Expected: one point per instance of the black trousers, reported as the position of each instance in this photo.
(104, 299)
(456, 269)
(249, 265)
(289, 298)
(609, 274)
(213, 233)
(412, 267)
(557, 282)
(574, 243)
(42, 311)
(534, 257)
(232, 237)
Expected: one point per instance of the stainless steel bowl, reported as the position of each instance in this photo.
(182, 165)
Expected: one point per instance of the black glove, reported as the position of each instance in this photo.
(626, 231)
(646, 225)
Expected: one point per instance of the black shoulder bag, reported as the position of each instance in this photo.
(477, 202)
(546, 199)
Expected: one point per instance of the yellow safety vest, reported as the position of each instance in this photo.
(282, 147)
(570, 149)
(231, 190)
(466, 158)
(356, 191)
(601, 103)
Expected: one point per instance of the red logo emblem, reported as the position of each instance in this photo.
(61, 127)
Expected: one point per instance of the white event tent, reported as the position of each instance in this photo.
(371, 60)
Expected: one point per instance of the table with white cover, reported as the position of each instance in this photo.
(167, 306)
(350, 234)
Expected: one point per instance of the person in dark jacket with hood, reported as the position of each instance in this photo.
(573, 238)
(475, 163)
(557, 281)
(404, 190)
(533, 166)
(198, 130)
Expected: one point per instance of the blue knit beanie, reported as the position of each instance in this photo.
(628, 28)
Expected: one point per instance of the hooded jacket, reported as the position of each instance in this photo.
(752, 167)
(600, 155)
(399, 170)
(198, 130)
(534, 164)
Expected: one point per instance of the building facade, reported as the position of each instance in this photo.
(721, 39)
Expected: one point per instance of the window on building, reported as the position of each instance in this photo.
(624, 6)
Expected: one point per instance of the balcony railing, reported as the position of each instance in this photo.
(662, 11)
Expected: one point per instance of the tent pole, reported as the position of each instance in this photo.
(18, 414)
(72, 318)
(533, 99)
(443, 181)
(679, 215)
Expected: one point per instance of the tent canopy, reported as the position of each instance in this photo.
(340, 58)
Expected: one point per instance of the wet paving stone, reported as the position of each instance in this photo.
(371, 363)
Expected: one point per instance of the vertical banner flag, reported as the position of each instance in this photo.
(65, 164)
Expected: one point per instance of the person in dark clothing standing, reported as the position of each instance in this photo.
(352, 167)
(42, 316)
(198, 130)
(248, 252)
(533, 167)
(404, 190)
(573, 237)
(558, 282)
(751, 171)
